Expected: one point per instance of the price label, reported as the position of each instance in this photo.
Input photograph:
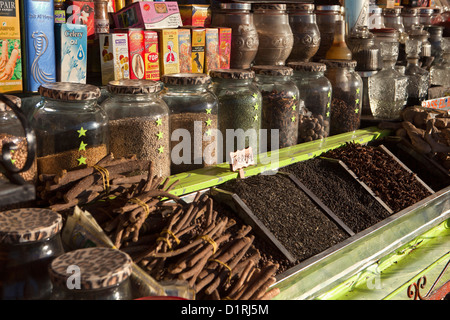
(439, 103)
(241, 159)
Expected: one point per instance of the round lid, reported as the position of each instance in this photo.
(339, 63)
(236, 6)
(238, 74)
(28, 225)
(410, 10)
(185, 78)
(307, 7)
(308, 66)
(134, 86)
(99, 267)
(69, 91)
(269, 6)
(426, 11)
(328, 8)
(273, 70)
(392, 11)
(375, 9)
(16, 100)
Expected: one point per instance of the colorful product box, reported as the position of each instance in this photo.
(10, 47)
(151, 55)
(81, 12)
(135, 51)
(211, 49)
(198, 50)
(114, 58)
(149, 15)
(198, 15)
(184, 44)
(224, 47)
(71, 52)
(38, 34)
(169, 51)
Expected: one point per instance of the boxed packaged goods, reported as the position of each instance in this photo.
(198, 15)
(81, 12)
(151, 55)
(10, 47)
(184, 44)
(135, 51)
(114, 57)
(38, 50)
(149, 15)
(211, 49)
(198, 49)
(224, 47)
(169, 51)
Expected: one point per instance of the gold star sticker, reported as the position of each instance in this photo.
(294, 97)
(81, 160)
(357, 90)
(256, 106)
(208, 122)
(255, 117)
(208, 111)
(158, 122)
(328, 113)
(329, 94)
(294, 107)
(328, 105)
(356, 110)
(293, 119)
(160, 135)
(82, 132)
(161, 149)
(357, 101)
(82, 146)
(208, 132)
(255, 95)
(13, 161)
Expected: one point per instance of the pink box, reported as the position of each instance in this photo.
(149, 15)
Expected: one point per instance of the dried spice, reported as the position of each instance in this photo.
(19, 156)
(345, 115)
(312, 127)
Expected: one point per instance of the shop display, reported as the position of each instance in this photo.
(339, 49)
(326, 17)
(138, 122)
(440, 72)
(418, 78)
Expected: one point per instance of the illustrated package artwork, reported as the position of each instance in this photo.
(114, 58)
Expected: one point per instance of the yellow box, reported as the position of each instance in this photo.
(198, 50)
(169, 51)
(185, 46)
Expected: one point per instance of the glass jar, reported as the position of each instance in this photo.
(339, 49)
(425, 16)
(139, 122)
(240, 108)
(274, 33)
(383, 35)
(418, 33)
(436, 34)
(440, 73)
(315, 95)
(29, 240)
(71, 128)
(376, 18)
(280, 104)
(364, 51)
(418, 78)
(393, 19)
(12, 131)
(96, 273)
(410, 17)
(193, 115)
(388, 88)
(244, 37)
(326, 16)
(306, 32)
(347, 87)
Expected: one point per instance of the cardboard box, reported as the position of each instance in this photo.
(135, 51)
(114, 59)
(149, 15)
(169, 51)
(184, 44)
(151, 55)
(224, 47)
(198, 49)
(211, 49)
(386, 3)
(197, 15)
(81, 12)
(11, 78)
(71, 52)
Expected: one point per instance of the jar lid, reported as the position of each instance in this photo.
(394, 11)
(339, 63)
(269, 6)
(69, 91)
(133, 86)
(236, 6)
(185, 78)
(16, 100)
(328, 8)
(28, 225)
(273, 70)
(238, 74)
(427, 11)
(308, 66)
(375, 9)
(99, 267)
(307, 7)
(410, 10)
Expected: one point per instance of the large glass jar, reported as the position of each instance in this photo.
(91, 274)
(280, 104)
(193, 120)
(436, 33)
(346, 103)
(240, 109)
(326, 17)
(306, 32)
(382, 35)
(29, 240)
(315, 95)
(388, 88)
(417, 32)
(274, 33)
(364, 51)
(139, 122)
(12, 131)
(418, 78)
(244, 37)
(71, 128)
(425, 16)
(440, 73)
(410, 17)
(393, 19)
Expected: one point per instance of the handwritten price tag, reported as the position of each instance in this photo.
(241, 159)
(439, 103)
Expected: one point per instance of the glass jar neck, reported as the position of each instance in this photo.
(136, 97)
(233, 82)
(197, 88)
(299, 75)
(269, 79)
(339, 32)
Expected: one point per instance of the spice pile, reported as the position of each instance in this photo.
(19, 156)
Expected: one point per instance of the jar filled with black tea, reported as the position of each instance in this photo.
(92, 274)
(139, 122)
(29, 241)
(240, 106)
(280, 105)
(193, 120)
(71, 128)
(347, 86)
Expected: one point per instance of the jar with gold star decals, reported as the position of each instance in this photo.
(138, 122)
(71, 128)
